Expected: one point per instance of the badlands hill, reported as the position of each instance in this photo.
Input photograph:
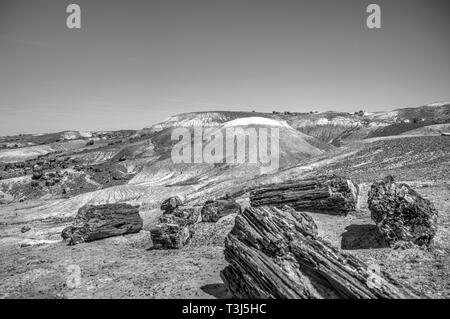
(45, 179)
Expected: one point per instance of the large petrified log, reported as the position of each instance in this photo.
(101, 221)
(401, 214)
(272, 254)
(331, 194)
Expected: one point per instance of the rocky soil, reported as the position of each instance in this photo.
(135, 168)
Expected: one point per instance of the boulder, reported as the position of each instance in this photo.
(329, 194)
(170, 204)
(213, 210)
(170, 236)
(275, 253)
(102, 221)
(401, 214)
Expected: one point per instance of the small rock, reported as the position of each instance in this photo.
(37, 173)
(25, 229)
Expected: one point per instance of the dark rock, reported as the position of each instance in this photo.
(330, 194)
(170, 204)
(401, 214)
(213, 210)
(102, 221)
(188, 212)
(170, 236)
(34, 183)
(25, 229)
(49, 183)
(273, 253)
(37, 173)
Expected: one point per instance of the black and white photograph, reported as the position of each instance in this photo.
(211, 151)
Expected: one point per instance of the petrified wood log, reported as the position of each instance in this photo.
(331, 194)
(170, 236)
(101, 221)
(401, 214)
(175, 226)
(271, 254)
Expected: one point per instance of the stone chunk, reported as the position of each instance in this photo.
(401, 214)
(170, 236)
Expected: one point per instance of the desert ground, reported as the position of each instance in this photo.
(135, 167)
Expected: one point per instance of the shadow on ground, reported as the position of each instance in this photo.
(218, 291)
(362, 237)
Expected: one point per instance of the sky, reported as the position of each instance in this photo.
(134, 63)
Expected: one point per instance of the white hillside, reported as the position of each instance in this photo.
(261, 121)
(437, 104)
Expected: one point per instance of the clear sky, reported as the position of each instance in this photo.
(134, 63)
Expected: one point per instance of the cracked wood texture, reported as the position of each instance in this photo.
(330, 194)
(272, 254)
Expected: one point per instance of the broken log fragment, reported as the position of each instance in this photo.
(273, 254)
(330, 194)
(170, 236)
(175, 227)
(95, 222)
